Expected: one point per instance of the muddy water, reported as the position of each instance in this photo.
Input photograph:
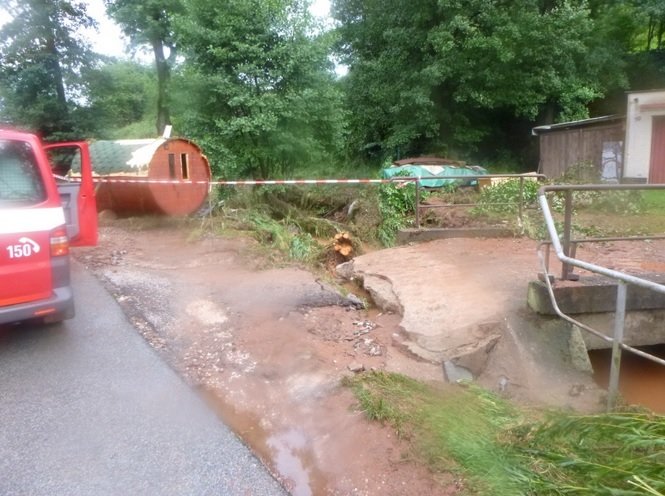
(286, 451)
(641, 382)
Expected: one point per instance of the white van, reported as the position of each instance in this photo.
(38, 224)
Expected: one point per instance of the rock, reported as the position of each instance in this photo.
(354, 301)
(345, 270)
(456, 373)
(473, 357)
(579, 356)
(356, 367)
(576, 390)
(381, 291)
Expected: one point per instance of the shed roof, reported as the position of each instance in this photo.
(594, 121)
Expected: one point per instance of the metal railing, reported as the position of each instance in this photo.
(471, 178)
(563, 247)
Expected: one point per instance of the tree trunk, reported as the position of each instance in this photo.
(163, 77)
(53, 66)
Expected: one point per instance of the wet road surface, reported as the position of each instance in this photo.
(88, 408)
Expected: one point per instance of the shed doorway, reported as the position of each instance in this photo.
(657, 163)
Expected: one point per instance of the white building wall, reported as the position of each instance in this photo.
(642, 107)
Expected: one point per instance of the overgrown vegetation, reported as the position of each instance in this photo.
(499, 450)
(397, 205)
(298, 223)
(505, 196)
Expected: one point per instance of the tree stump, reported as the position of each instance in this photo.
(342, 244)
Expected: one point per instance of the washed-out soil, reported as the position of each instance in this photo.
(267, 347)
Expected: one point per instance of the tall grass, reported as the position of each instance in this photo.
(501, 450)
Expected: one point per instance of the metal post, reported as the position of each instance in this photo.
(418, 203)
(521, 200)
(567, 227)
(619, 318)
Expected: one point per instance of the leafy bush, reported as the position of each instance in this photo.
(397, 204)
(504, 197)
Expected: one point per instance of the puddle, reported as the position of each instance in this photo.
(286, 451)
(641, 382)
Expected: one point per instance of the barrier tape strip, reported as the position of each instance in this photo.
(245, 182)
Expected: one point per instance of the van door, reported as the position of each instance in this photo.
(70, 163)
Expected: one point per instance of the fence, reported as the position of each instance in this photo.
(564, 247)
(519, 202)
(418, 182)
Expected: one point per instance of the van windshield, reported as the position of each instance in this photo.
(21, 182)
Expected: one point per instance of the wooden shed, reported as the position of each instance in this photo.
(130, 171)
(598, 140)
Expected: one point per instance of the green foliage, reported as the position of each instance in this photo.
(581, 173)
(501, 451)
(43, 52)
(295, 222)
(257, 89)
(118, 96)
(449, 76)
(596, 454)
(505, 197)
(150, 22)
(397, 204)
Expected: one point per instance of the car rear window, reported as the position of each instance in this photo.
(21, 182)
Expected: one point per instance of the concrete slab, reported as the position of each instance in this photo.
(593, 294)
(455, 293)
(463, 304)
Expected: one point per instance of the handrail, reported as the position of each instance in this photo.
(563, 253)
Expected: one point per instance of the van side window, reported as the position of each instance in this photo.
(20, 178)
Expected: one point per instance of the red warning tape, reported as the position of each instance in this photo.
(246, 182)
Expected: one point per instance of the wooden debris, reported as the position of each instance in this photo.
(342, 244)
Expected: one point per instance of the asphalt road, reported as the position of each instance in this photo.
(88, 408)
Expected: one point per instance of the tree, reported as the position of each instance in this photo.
(150, 22)
(260, 91)
(42, 55)
(389, 93)
(450, 75)
(117, 97)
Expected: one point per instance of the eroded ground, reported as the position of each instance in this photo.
(267, 348)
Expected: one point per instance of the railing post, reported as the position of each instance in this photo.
(619, 318)
(519, 215)
(567, 227)
(418, 203)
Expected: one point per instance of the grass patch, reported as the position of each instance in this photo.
(654, 201)
(500, 450)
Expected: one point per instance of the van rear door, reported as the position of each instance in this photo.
(76, 192)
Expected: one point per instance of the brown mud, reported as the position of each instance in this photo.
(267, 349)
(268, 346)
